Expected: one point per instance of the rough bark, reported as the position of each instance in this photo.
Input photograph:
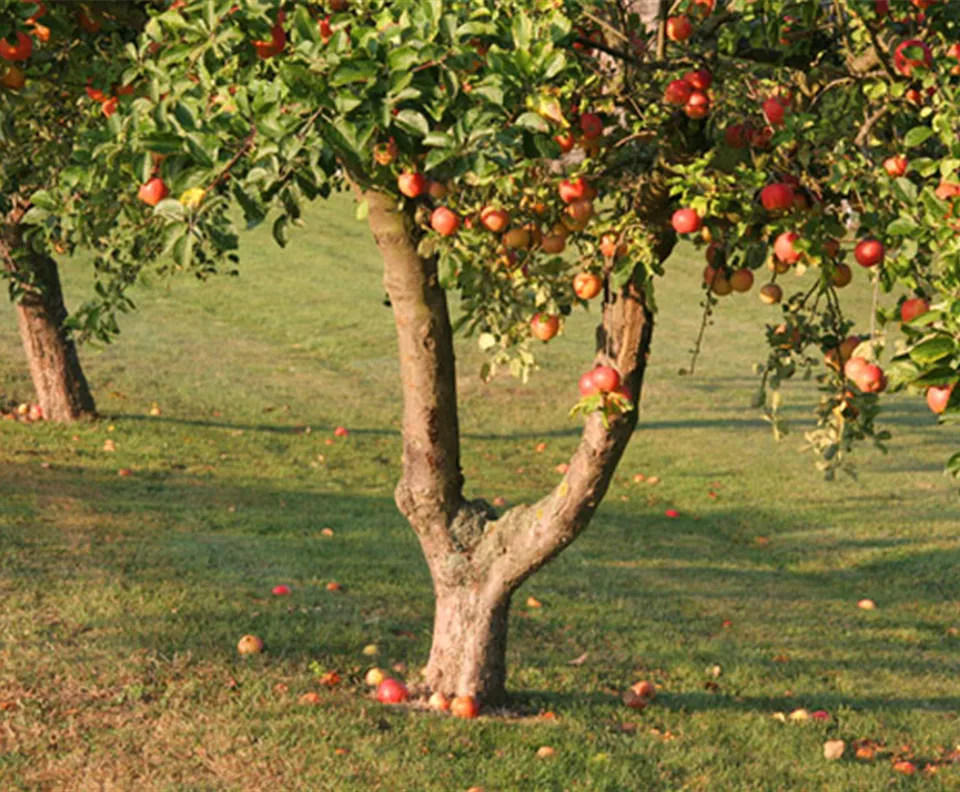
(476, 560)
(468, 654)
(61, 387)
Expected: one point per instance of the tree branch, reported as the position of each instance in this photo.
(429, 493)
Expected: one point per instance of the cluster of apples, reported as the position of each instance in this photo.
(108, 103)
(938, 396)
(589, 139)
(603, 380)
(27, 413)
(576, 194)
(14, 78)
(393, 691)
(776, 198)
(277, 43)
(690, 93)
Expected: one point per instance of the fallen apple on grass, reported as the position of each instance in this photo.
(391, 691)
(250, 645)
(464, 707)
(439, 702)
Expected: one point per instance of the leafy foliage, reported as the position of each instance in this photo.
(254, 108)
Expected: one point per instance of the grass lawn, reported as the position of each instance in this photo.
(123, 598)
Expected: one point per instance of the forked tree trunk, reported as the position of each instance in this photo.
(477, 560)
(61, 387)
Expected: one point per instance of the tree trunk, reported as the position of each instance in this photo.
(468, 655)
(61, 387)
(477, 560)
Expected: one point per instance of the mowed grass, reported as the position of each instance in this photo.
(123, 598)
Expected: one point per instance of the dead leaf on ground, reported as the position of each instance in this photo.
(533, 602)
(545, 752)
(579, 661)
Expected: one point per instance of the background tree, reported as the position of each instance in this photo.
(532, 157)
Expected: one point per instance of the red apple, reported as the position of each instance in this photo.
(697, 106)
(586, 285)
(644, 689)
(775, 110)
(439, 702)
(906, 64)
(544, 326)
(20, 51)
(842, 275)
(586, 384)
(741, 280)
(573, 190)
(737, 135)
(412, 185)
(153, 192)
(249, 644)
(871, 379)
(895, 166)
(280, 591)
(390, 691)
(444, 221)
(495, 220)
(783, 247)
(868, 253)
(679, 28)
(581, 210)
(699, 79)
(592, 125)
(771, 294)
(777, 197)
(912, 308)
(464, 707)
(566, 141)
(938, 397)
(340, 431)
(606, 379)
(686, 221)
(854, 367)
(677, 92)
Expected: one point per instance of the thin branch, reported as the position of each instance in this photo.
(868, 124)
(662, 29)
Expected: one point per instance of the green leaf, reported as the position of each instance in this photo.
(280, 230)
(352, 72)
(183, 250)
(933, 349)
(522, 30)
(413, 122)
(941, 375)
(902, 226)
(44, 200)
(403, 59)
(199, 152)
(533, 122)
(917, 136)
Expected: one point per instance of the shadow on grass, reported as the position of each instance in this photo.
(204, 554)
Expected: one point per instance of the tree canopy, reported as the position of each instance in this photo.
(534, 141)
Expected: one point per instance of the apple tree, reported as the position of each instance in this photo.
(529, 157)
